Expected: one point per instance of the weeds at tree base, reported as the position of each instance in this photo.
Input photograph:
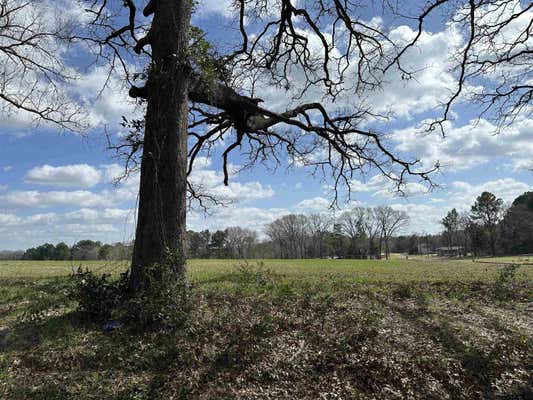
(98, 296)
(163, 303)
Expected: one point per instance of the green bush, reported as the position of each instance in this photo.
(98, 296)
(255, 274)
(403, 291)
(164, 301)
(505, 287)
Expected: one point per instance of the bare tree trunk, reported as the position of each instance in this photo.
(492, 241)
(161, 221)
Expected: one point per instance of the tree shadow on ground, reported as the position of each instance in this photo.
(236, 341)
(480, 365)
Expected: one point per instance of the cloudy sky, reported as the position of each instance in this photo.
(59, 186)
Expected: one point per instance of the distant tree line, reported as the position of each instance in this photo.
(488, 228)
(358, 233)
(82, 250)
(233, 242)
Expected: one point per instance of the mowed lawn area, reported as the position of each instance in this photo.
(280, 329)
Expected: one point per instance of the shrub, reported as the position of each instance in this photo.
(163, 303)
(256, 274)
(505, 285)
(97, 296)
(403, 291)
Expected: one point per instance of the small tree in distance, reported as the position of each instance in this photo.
(390, 221)
(451, 226)
(488, 209)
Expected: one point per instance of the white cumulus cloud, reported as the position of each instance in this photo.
(77, 175)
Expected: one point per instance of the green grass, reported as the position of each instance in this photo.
(281, 329)
(363, 271)
(520, 259)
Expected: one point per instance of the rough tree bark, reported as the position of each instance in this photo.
(161, 221)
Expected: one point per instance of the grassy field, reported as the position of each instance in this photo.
(280, 329)
(364, 271)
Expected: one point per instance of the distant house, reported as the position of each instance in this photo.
(451, 251)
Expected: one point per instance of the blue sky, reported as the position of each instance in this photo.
(57, 186)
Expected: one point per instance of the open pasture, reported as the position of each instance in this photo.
(345, 270)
